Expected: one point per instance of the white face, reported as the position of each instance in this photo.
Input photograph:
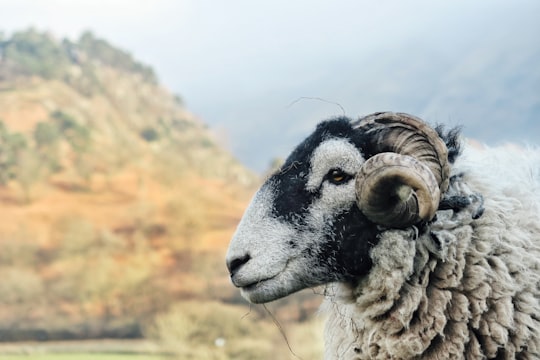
(296, 231)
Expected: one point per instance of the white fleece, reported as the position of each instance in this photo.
(465, 289)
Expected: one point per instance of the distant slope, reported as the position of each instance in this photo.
(115, 201)
(115, 98)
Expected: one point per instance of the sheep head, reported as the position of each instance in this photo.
(317, 218)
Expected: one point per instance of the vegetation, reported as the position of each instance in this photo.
(27, 160)
(11, 147)
(33, 53)
(149, 134)
(108, 55)
(213, 330)
(83, 356)
(116, 206)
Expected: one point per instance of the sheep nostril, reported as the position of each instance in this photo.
(235, 264)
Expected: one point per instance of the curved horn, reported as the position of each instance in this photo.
(402, 183)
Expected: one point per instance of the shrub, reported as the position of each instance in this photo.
(19, 285)
(35, 53)
(190, 329)
(77, 135)
(19, 249)
(11, 146)
(149, 134)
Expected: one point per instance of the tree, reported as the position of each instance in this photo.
(47, 138)
(79, 138)
(149, 134)
(46, 134)
(105, 53)
(77, 135)
(28, 172)
(34, 53)
(11, 146)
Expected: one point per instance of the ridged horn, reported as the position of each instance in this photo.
(403, 182)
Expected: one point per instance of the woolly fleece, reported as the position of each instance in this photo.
(463, 288)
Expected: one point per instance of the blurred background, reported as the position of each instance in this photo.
(133, 134)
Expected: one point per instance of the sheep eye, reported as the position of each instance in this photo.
(338, 177)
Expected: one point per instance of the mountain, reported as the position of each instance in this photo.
(115, 201)
(116, 101)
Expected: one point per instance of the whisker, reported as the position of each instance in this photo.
(246, 314)
(282, 331)
(318, 99)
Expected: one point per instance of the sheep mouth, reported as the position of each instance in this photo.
(265, 290)
(254, 285)
(272, 288)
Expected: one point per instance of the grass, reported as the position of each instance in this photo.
(81, 356)
(107, 349)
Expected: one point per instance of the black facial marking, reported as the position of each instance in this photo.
(357, 236)
(292, 199)
(346, 251)
(347, 248)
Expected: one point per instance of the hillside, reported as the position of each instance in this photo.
(109, 96)
(109, 190)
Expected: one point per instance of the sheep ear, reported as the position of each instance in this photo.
(402, 184)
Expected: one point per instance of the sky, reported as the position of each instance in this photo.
(262, 74)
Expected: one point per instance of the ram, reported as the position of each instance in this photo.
(426, 250)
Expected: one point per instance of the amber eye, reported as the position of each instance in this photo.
(338, 176)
